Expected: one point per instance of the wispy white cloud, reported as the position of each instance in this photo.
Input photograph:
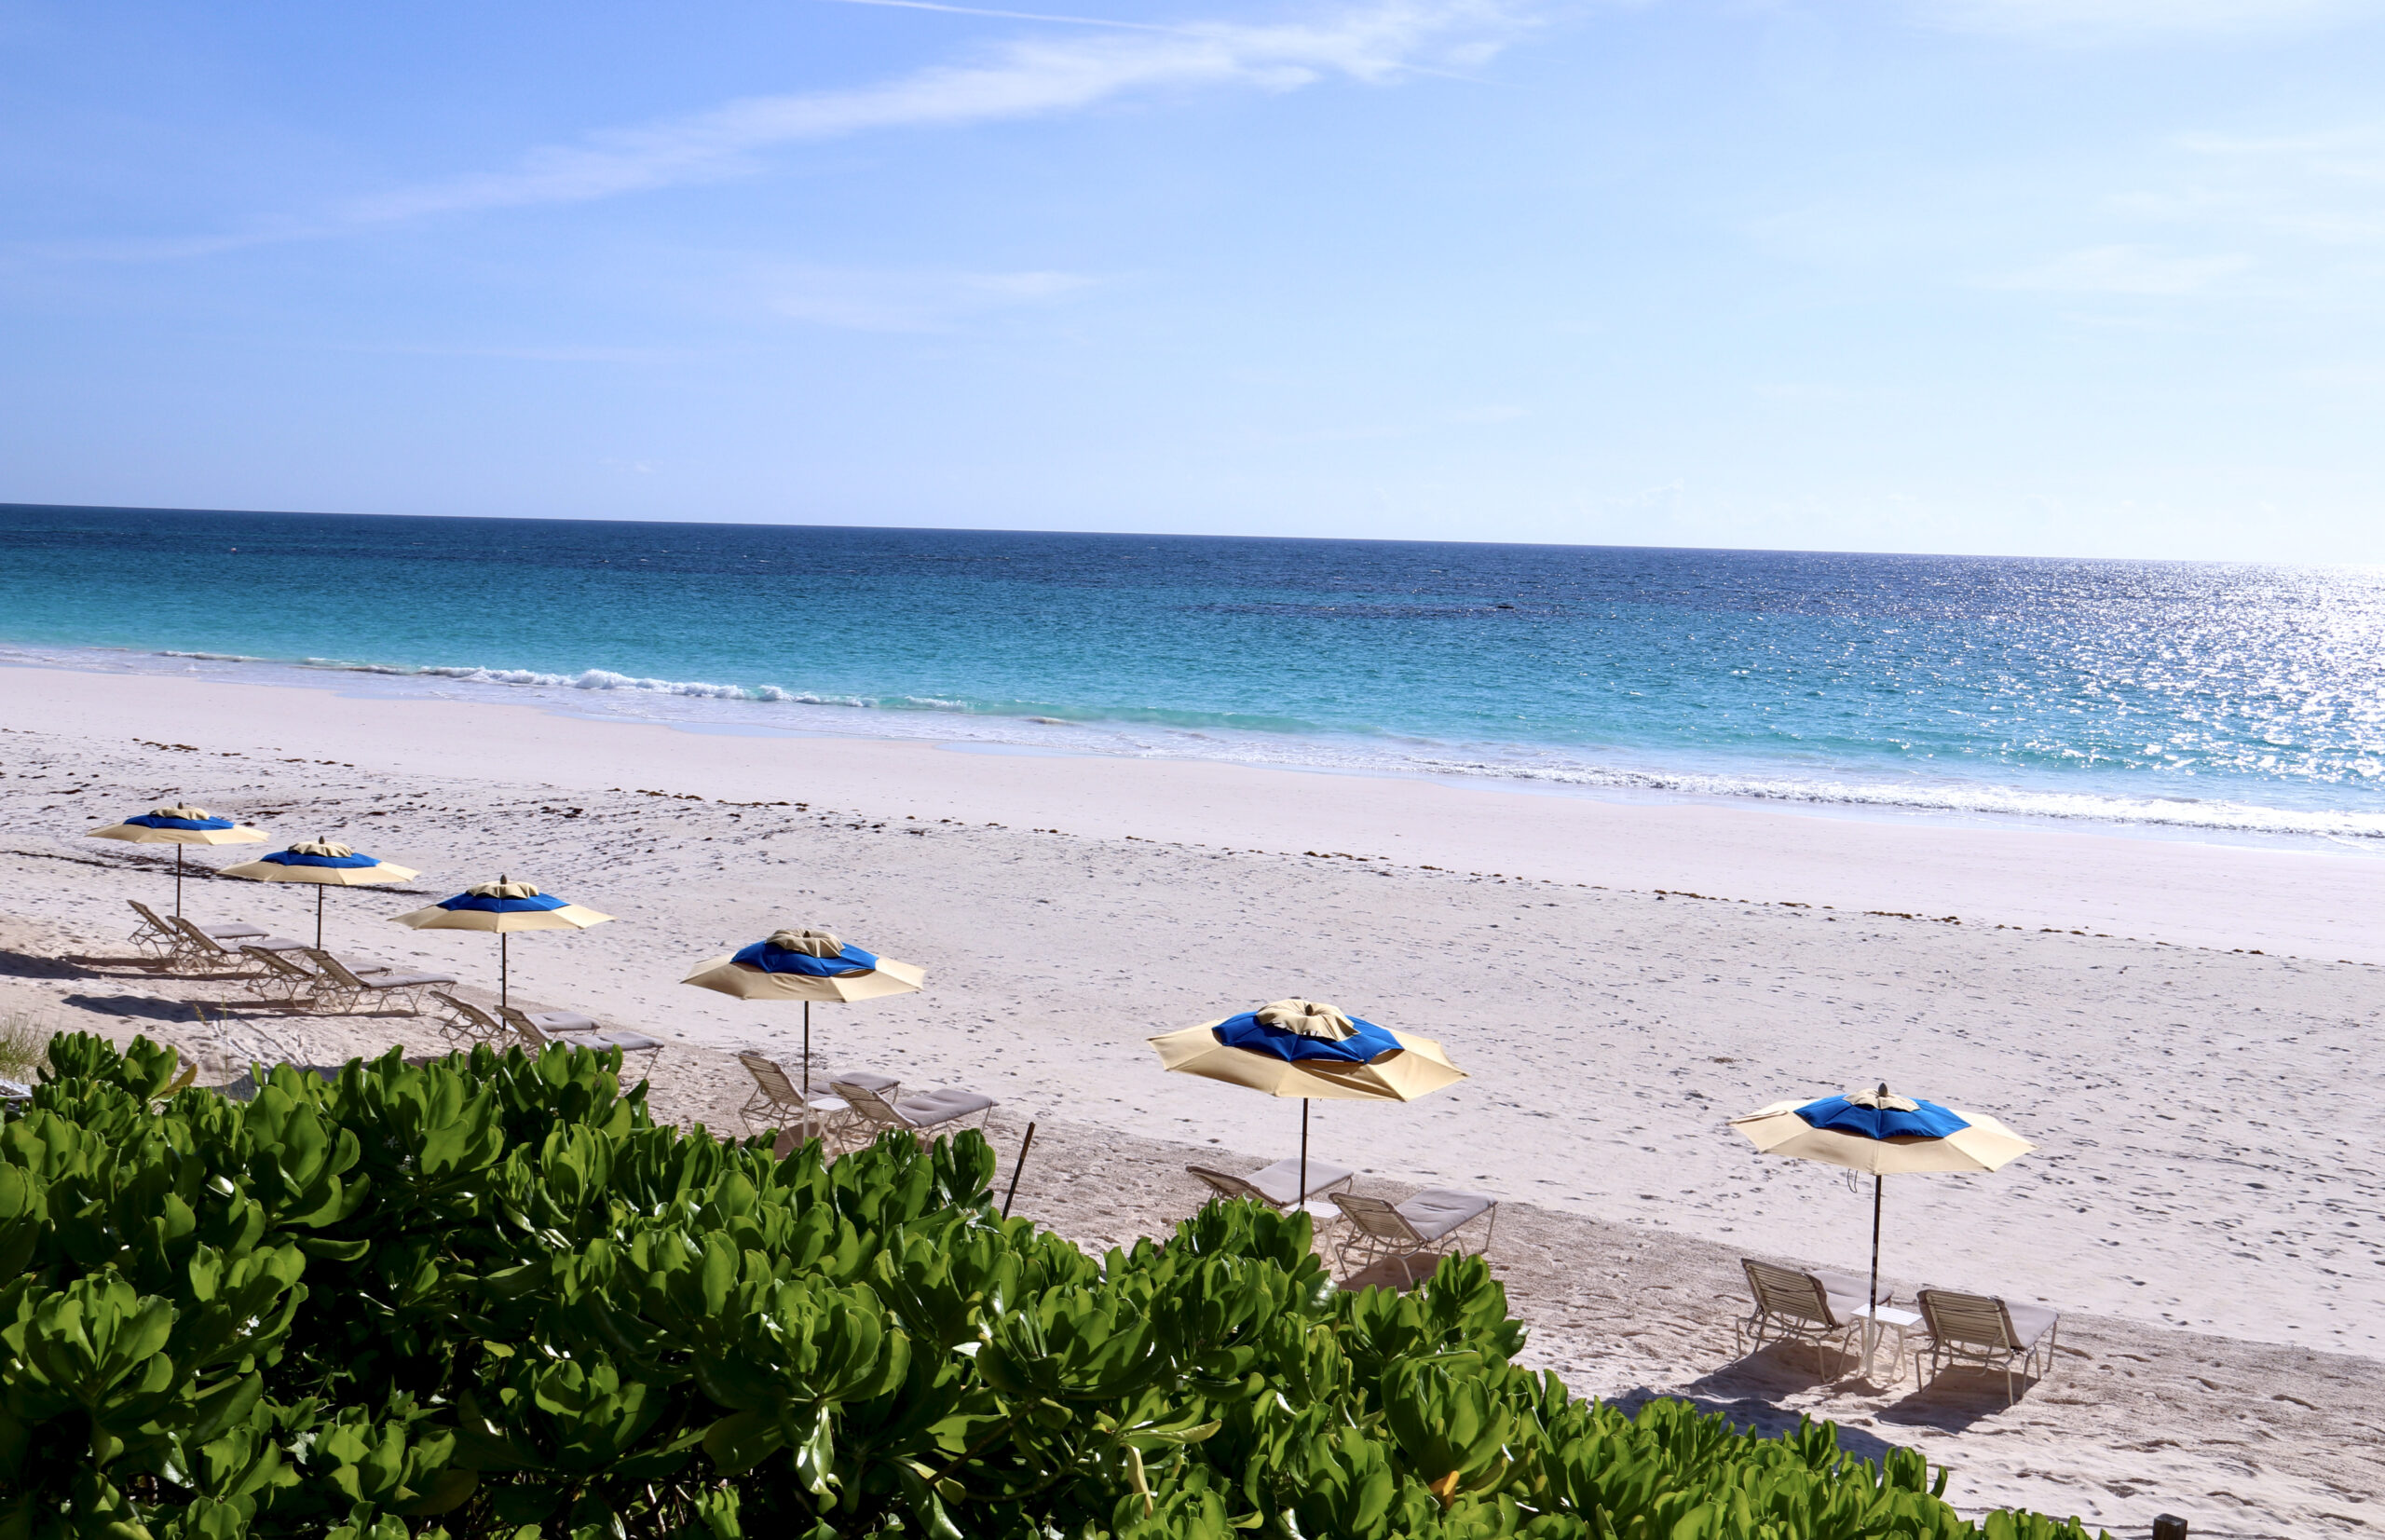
(2125, 21)
(2128, 270)
(907, 302)
(1035, 77)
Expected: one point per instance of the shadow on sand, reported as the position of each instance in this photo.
(136, 1007)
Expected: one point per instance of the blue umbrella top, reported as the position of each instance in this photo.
(815, 953)
(503, 896)
(317, 852)
(1260, 1032)
(1873, 1116)
(180, 818)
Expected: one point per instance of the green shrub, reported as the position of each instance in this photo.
(489, 1297)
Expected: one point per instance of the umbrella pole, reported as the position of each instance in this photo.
(177, 881)
(1871, 1298)
(1301, 1202)
(504, 988)
(319, 917)
(806, 1054)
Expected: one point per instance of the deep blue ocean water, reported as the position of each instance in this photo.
(2237, 698)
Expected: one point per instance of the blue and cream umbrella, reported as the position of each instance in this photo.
(504, 906)
(1307, 1049)
(179, 825)
(806, 965)
(1884, 1135)
(326, 863)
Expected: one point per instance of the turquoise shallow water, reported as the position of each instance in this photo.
(2194, 696)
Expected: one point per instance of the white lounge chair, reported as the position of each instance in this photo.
(280, 979)
(346, 987)
(536, 1037)
(1816, 1307)
(777, 1104)
(157, 938)
(1277, 1185)
(1986, 1331)
(201, 950)
(466, 1024)
(921, 1113)
(1427, 1225)
(276, 978)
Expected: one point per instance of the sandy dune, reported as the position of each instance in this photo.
(2205, 1200)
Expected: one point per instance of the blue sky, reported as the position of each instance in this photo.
(2060, 276)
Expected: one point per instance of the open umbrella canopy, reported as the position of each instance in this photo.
(1303, 1048)
(326, 863)
(321, 861)
(503, 906)
(178, 825)
(1882, 1133)
(806, 965)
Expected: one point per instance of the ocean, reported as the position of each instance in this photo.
(2239, 700)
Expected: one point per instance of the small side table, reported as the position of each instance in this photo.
(1878, 1322)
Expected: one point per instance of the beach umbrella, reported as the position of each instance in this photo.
(1308, 1049)
(1884, 1135)
(179, 825)
(324, 863)
(504, 906)
(806, 965)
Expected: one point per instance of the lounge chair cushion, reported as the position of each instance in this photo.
(1845, 1289)
(1435, 1211)
(265, 943)
(1280, 1181)
(868, 1080)
(240, 930)
(929, 1108)
(561, 1021)
(628, 1042)
(2030, 1321)
(401, 981)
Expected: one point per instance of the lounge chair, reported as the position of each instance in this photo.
(279, 979)
(1989, 1332)
(158, 939)
(201, 949)
(1427, 1225)
(536, 1037)
(1277, 1185)
(879, 1110)
(550, 1023)
(347, 988)
(467, 1024)
(1816, 1307)
(776, 1103)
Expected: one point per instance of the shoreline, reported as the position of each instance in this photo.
(1949, 802)
(2324, 905)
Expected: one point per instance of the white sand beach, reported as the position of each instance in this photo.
(2184, 1028)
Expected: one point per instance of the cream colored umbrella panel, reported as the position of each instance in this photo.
(1308, 1049)
(504, 906)
(178, 825)
(326, 863)
(806, 965)
(1884, 1135)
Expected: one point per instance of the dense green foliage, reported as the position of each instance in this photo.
(490, 1296)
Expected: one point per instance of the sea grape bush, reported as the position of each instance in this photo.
(490, 1296)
